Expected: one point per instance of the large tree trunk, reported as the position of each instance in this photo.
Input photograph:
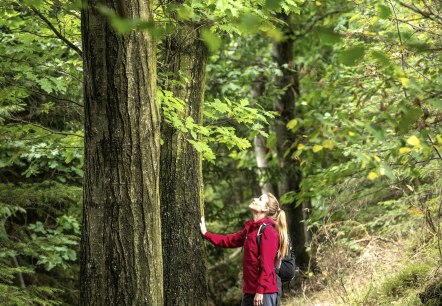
(290, 176)
(121, 255)
(181, 181)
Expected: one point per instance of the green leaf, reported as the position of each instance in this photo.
(250, 23)
(409, 117)
(437, 103)
(46, 85)
(328, 36)
(185, 12)
(212, 40)
(351, 56)
(383, 11)
(273, 4)
(380, 57)
(288, 198)
(220, 106)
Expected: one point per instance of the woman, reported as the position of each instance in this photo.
(260, 284)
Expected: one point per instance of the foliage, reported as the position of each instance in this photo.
(41, 155)
(216, 112)
(367, 129)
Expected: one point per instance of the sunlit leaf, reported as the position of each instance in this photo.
(414, 141)
(404, 150)
(292, 123)
(317, 148)
(328, 144)
(372, 176)
(405, 82)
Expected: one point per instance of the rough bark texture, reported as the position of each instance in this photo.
(181, 179)
(290, 176)
(121, 255)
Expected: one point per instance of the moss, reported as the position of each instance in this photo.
(410, 277)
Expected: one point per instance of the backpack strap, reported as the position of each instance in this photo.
(260, 231)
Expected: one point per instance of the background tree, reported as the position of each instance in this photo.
(121, 258)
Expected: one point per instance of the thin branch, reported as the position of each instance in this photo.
(43, 127)
(59, 35)
(47, 94)
(403, 63)
(420, 12)
(418, 28)
(314, 21)
(431, 10)
(434, 147)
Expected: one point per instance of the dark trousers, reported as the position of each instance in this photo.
(268, 299)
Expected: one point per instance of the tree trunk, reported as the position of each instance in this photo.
(290, 175)
(181, 180)
(121, 255)
(259, 145)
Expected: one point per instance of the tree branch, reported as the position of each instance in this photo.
(56, 32)
(314, 21)
(43, 127)
(420, 12)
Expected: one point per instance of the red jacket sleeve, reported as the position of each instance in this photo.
(235, 240)
(268, 248)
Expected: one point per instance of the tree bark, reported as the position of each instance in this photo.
(259, 145)
(121, 255)
(181, 178)
(290, 175)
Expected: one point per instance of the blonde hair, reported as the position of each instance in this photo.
(278, 215)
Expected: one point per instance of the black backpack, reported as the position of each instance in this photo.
(287, 271)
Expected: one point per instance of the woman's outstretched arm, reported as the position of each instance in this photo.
(235, 240)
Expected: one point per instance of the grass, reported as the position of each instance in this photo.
(382, 272)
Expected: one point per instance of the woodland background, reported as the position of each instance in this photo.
(334, 106)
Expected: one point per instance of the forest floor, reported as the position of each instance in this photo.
(379, 272)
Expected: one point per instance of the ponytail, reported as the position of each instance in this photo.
(278, 215)
(281, 226)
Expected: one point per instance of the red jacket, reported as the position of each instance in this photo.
(259, 274)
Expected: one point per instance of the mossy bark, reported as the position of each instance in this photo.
(181, 182)
(121, 255)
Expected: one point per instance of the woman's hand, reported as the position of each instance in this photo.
(203, 226)
(257, 301)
